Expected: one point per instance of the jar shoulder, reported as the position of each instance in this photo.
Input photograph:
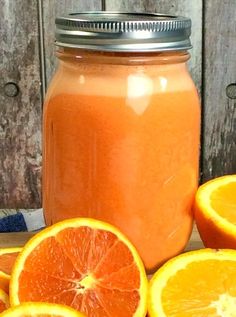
(120, 80)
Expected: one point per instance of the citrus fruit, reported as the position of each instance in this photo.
(41, 309)
(7, 259)
(83, 263)
(195, 284)
(215, 212)
(4, 301)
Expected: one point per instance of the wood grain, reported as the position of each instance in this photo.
(20, 238)
(219, 117)
(195, 241)
(16, 239)
(20, 105)
(192, 9)
(52, 9)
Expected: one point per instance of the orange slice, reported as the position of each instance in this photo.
(83, 263)
(7, 259)
(195, 284)
(41, 310)
(215, 212)
(4, 301)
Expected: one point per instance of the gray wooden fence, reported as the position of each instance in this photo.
(27, 62)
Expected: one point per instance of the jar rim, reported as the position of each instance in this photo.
(123, 31)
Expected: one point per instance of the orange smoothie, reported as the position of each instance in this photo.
(121, 144)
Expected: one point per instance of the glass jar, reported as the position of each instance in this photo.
(121, 129)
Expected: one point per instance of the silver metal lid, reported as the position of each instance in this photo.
(123, 32)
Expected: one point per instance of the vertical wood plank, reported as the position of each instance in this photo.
(20, 105)
(52, 9)
(192, 9)
(219, 139)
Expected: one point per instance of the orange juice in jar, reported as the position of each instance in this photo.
(121, 129)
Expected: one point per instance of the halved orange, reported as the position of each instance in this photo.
(215, 212)
(41, 310)
(195, 284)
(7, 259)
(4, 301)
(83, 263)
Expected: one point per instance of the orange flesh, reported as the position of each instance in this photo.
(223, 201)
(6, 262)
(41, 315)
(63, 269)
(2, 306)
(123, 148)
(191, 292)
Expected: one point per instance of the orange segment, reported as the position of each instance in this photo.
(223, 200)
(215, 212)
(41, 310)
(195, 284)
(7, 259)
(83, 263)
(4, 301)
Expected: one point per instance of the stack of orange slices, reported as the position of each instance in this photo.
(7, 259)
(4, 301)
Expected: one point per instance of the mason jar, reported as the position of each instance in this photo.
(121, 128)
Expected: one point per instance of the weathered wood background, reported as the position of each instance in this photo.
(27, 64)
